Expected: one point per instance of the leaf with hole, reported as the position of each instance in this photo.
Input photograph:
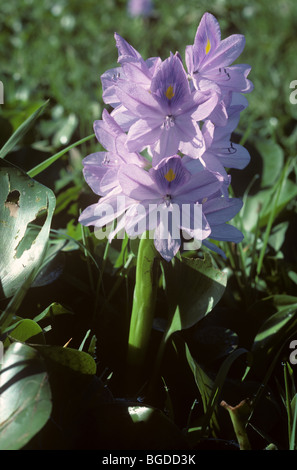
(22, 201)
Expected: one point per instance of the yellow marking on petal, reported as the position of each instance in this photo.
(208, 46)
(170, 175)
(169, 92)
(204, 200)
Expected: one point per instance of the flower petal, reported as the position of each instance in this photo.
(194, 222)
(166, 145)
(170, 85)
(170, 174)
(238, 157)
(208, 36)
(213, 247)
(221, 210)
(142, 133)
(136, 183)
(138, 100)
(226, 233)
(106, 131)
(123, 117)
(125, 50)
(200, 186)
(227, 51)
(164, 242)
(94, 170)
(87, 217)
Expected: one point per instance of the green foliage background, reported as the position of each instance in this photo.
(56, 51)
(59, 49)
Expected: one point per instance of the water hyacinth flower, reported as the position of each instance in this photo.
(133, 68)
(164, 200)
(221, 152)
(167, 113)
(101, 168)
(210, 58)
(168, 200)
(219, 211)
(184, 124)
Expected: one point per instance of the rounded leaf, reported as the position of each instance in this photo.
(25, 396)
(22, 248)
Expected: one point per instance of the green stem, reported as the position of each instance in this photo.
(272, 216)
(288, 402)
(143, 303)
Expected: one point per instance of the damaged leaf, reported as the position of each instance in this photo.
(22, 201)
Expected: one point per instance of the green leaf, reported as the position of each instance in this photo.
(273, 159)
(293, 276)
(205, 386)
(194, 287)
(278, 327)
(21, 131)
(25, 396)
(78, 361)
(22, 249)
(277, 236)
(52, 310)
(65, 198)
(293, 438)
(259, 205)
(52, 159)
(52, 264)
(26, 329)
(210, 389)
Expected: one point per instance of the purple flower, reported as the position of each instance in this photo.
(221, 152)
(219, 147)
(101, 168)
(210, 58)
(140, 7)
(184, 122)
(167, 200)
(218, 211)
(167, 113)
(164, 200)
(133, 69)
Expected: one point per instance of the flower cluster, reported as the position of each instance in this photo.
(168, 143)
